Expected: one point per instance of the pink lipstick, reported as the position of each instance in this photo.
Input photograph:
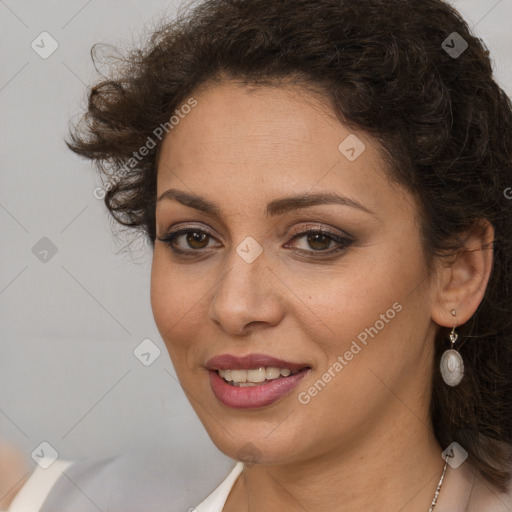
(254, 380)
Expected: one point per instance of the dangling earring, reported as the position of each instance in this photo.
(452, 366)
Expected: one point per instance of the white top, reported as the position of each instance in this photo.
(36, 489)
(33, 494)
(217, 499)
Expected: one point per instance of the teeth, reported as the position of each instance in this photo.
(258, 375)
(272, 373)
(246, 378)
(238, 375)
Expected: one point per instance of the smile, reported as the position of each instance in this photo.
(254, 380)
(255, 377)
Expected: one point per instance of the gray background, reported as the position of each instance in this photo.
(69, 325)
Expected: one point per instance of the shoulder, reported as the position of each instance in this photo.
(134, 481)
(37, 487)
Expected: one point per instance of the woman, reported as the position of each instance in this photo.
(324, 185)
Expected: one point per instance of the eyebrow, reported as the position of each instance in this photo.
(274, 207)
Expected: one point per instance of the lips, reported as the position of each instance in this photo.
(256, 395)
(250, 361)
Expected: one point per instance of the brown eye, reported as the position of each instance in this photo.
(321, 241)
(187, 240)
(196, 239)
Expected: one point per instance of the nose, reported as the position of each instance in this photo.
(247, 296)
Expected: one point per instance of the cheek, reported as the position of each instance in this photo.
(162, 293)
(173, 295)
(368, 311)
(363, 328)
(338, 303)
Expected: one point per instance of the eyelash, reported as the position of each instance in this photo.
(344, 242)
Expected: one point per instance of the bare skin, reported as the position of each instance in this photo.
(14, 472)
(365, 441)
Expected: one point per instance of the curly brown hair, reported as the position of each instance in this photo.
(443, 123)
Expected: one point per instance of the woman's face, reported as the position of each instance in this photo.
(350, 308)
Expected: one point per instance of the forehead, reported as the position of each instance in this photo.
(264, 141)
(279, 116)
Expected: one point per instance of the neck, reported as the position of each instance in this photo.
(389, 472)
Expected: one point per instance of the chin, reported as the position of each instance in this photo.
(254, 445)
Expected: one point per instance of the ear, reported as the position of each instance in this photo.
(462, 279)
